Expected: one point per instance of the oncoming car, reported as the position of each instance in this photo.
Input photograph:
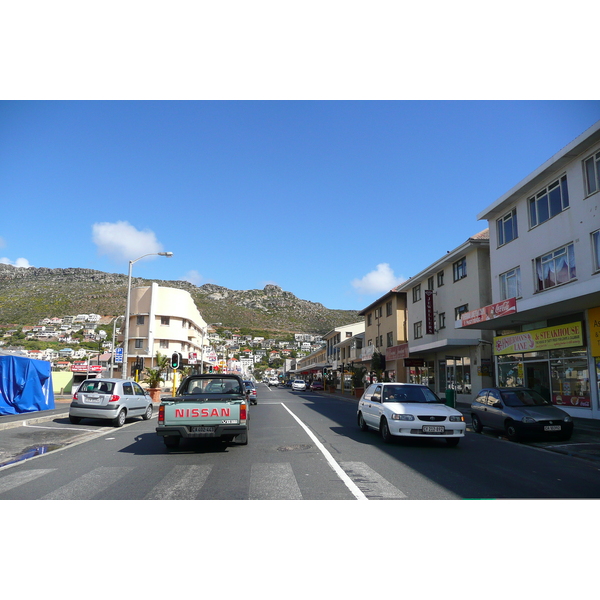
(111, 399)
(298, 385)
(403, 410)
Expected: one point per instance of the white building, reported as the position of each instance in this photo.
(545, 279)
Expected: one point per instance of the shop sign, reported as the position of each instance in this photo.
(594, 321)
(549, 338)
(486, 313)
(367, 352)
(429, 327)
(396, 352)
(414, 362)
(83, 367)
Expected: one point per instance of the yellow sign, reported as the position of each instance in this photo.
(549, 338)
(594, 321)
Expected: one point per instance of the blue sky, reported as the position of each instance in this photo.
(334, 201)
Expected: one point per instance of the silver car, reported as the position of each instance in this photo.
(519, 412)
(110, 399)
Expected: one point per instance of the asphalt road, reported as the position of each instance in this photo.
(301, 446)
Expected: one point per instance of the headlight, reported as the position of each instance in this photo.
(567, 419)
(403, 417)
(456, 418)
(528, 420)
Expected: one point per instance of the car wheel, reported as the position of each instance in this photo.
(452, 441)
(119, 421)
(511, 432)
(361, 422)
(476, 424)
(74, 420)
(384, 430)
(148, 414)
(171, 441)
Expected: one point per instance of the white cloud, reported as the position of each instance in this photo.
(381, 280)
(123, 242)
(193, 277)
(20, 262)
(2, 243)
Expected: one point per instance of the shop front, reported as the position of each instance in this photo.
(551, 360)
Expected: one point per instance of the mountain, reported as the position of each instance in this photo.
(30, 294)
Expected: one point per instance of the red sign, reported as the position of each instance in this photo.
(82, 367)
(429, 326)
(486, 313)
(396, 352)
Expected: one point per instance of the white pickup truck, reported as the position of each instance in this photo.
(206, 406)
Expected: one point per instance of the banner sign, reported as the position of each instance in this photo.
(486, 313)
(549, 338)
(396, 352)
(83, 367)
(429, 326)
(594, 322)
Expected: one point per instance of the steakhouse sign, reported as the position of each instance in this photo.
(485, 313)
(549, 338)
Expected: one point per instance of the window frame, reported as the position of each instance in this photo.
(516, 274)
(441, 320)
(554, 256)
(459, 269)
(416, 293)
(595, 235)
(459, 310)
(418, 330)
(594, 159)
(505, 223)
(534, 202)
(440, 278)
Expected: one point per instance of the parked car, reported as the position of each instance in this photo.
(298, 385)
(316, 385)
(110, 399)
(251, 389)
(406, 410)
(519, 412)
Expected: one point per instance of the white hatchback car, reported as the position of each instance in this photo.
(409, 410)
(114, 399)
(299, 385)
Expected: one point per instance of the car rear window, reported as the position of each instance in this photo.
(98, 387)
(215, 385)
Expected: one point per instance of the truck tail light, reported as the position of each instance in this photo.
(243, 412)
(114, 398)
(161, 414)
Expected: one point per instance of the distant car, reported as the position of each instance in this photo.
(251, 389)
(273, 381)
(403, 410)
(519, 412)
(316, 385)
(298, 385)
(111, 399)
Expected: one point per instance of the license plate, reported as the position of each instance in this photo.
(433, 429)
(203, 429)
(92, 400)
(552, 428)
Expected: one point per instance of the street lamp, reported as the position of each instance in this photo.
(126, 335)
(112, 358)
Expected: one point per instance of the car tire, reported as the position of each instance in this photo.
(362, 423)
(74, 420)
(119, 421)
(384, 430)
(171, 441)
(148, 414)
(476, 424)
(452, 441)
(511, 431)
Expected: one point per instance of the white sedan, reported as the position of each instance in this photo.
(409, 410)
(298, 385)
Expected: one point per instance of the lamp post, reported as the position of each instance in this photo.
(112, 358)
(126, 335)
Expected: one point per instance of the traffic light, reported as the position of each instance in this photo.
(175, 360)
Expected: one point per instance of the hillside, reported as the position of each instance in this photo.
(28, 295)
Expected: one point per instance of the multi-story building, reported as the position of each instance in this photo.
(545, 279)
(438, 354)
(165, 320)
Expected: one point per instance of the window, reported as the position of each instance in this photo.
(555, 268)
(138, 343)
(164, 344)
(549, 202)
(430, 283)
(507, 228)
(440, 278)
(596, 249)
(370, 319)
(140, 319)
(510, 284)
(165, 320)
(459, 310)
(388, 309)
(418, 327)
(592, 173)
(390, 339)
(417, 293)
(459, 268)
(442, 321)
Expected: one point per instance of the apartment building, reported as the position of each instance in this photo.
(437, 354)
(165, 320)
(545, 279)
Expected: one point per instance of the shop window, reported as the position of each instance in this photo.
(549, 202)
(555, 268)
(510, 284)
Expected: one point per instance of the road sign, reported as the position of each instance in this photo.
(118, 355)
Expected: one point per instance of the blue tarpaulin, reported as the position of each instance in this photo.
(25, 385)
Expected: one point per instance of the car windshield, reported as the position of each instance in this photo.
(406, 393)
(523, 398)
(98, 387)
(215, 385)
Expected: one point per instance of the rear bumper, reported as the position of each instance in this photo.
(94, 412)
(183, 431)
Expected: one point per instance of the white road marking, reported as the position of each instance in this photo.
(88, 485)
(371, 483)
(21, 477)
(182, 483)
(273, 481)
(354, 489)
